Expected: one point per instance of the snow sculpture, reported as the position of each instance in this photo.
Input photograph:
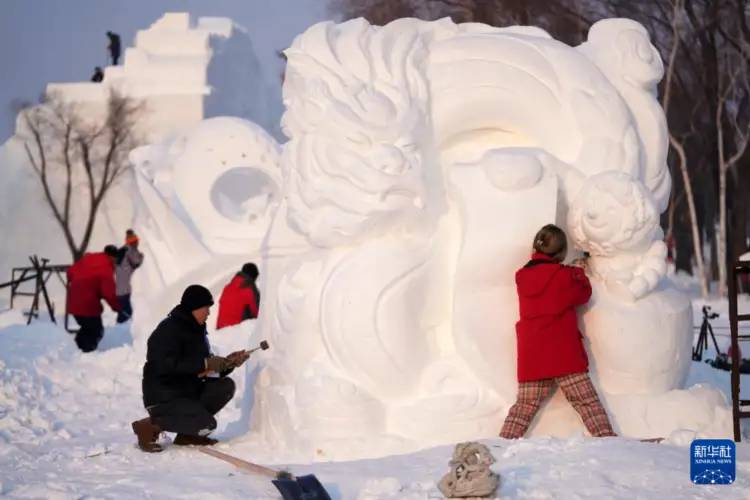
(423, 157)
(205, 202)
(614, 218)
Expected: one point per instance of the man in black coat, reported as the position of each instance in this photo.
(184, 385)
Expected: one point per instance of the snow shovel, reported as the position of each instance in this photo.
(291, 488)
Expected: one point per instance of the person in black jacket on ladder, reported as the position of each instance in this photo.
(184, 384)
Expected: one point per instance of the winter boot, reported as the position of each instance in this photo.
(147, 432)
(188, 440)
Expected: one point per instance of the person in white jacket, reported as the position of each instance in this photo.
(129, 258)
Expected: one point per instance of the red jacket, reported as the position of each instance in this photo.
(90, 280)
(549, 342)
(239, 301)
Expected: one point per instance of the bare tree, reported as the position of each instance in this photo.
(679, 147)
(381, 12)
(562, 18)
(733, 131)
(74, 154)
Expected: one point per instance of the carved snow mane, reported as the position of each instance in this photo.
(357, 110)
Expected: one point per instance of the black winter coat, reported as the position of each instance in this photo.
(177, 350)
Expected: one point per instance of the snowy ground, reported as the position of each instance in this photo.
(64, 433)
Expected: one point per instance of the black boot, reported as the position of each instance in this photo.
(188, 440)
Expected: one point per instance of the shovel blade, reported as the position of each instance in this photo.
(302, 488)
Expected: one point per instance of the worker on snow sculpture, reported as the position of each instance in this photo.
(550, 346)
(114, 46)
(184, 385)
(98, 75)
(90, 280)
(129, 258)
(240, 299)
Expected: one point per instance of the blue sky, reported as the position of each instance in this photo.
(45, 41)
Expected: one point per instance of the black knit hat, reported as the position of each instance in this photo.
(250, 269)
(196, 296)
(111, 250)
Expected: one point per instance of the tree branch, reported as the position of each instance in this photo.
(41, 169)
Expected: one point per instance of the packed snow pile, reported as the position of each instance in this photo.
(423, 157)
(182, 71)
(61, 408)
(65, 433)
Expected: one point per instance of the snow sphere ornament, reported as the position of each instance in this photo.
(236, 165)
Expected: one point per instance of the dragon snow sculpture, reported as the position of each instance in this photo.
(423, 156)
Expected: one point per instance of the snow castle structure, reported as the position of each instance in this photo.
(423, 157)
(183, 71)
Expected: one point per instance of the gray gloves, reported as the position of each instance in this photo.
(237, 358)
(217, 364)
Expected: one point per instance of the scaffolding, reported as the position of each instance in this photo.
(39, 272)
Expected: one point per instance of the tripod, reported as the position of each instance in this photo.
(706, 330)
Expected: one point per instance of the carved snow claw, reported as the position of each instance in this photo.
(470, 475)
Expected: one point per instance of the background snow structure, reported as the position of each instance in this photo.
(423, 157)
(183, 71)
(205, 201)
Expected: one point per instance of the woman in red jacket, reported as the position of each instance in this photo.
(91, 279)
(240, 299)
(550, 346)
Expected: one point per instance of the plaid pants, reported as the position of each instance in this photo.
(577, 388)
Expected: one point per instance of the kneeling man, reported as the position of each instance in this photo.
(184, 385)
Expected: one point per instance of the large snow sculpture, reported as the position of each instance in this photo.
(423, 157)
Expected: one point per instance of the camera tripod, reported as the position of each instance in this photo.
(706, 330)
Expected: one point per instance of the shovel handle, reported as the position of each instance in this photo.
(242, 464)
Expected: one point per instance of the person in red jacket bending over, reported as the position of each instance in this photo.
(240, 299)
(550, 346)
(90, 280)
